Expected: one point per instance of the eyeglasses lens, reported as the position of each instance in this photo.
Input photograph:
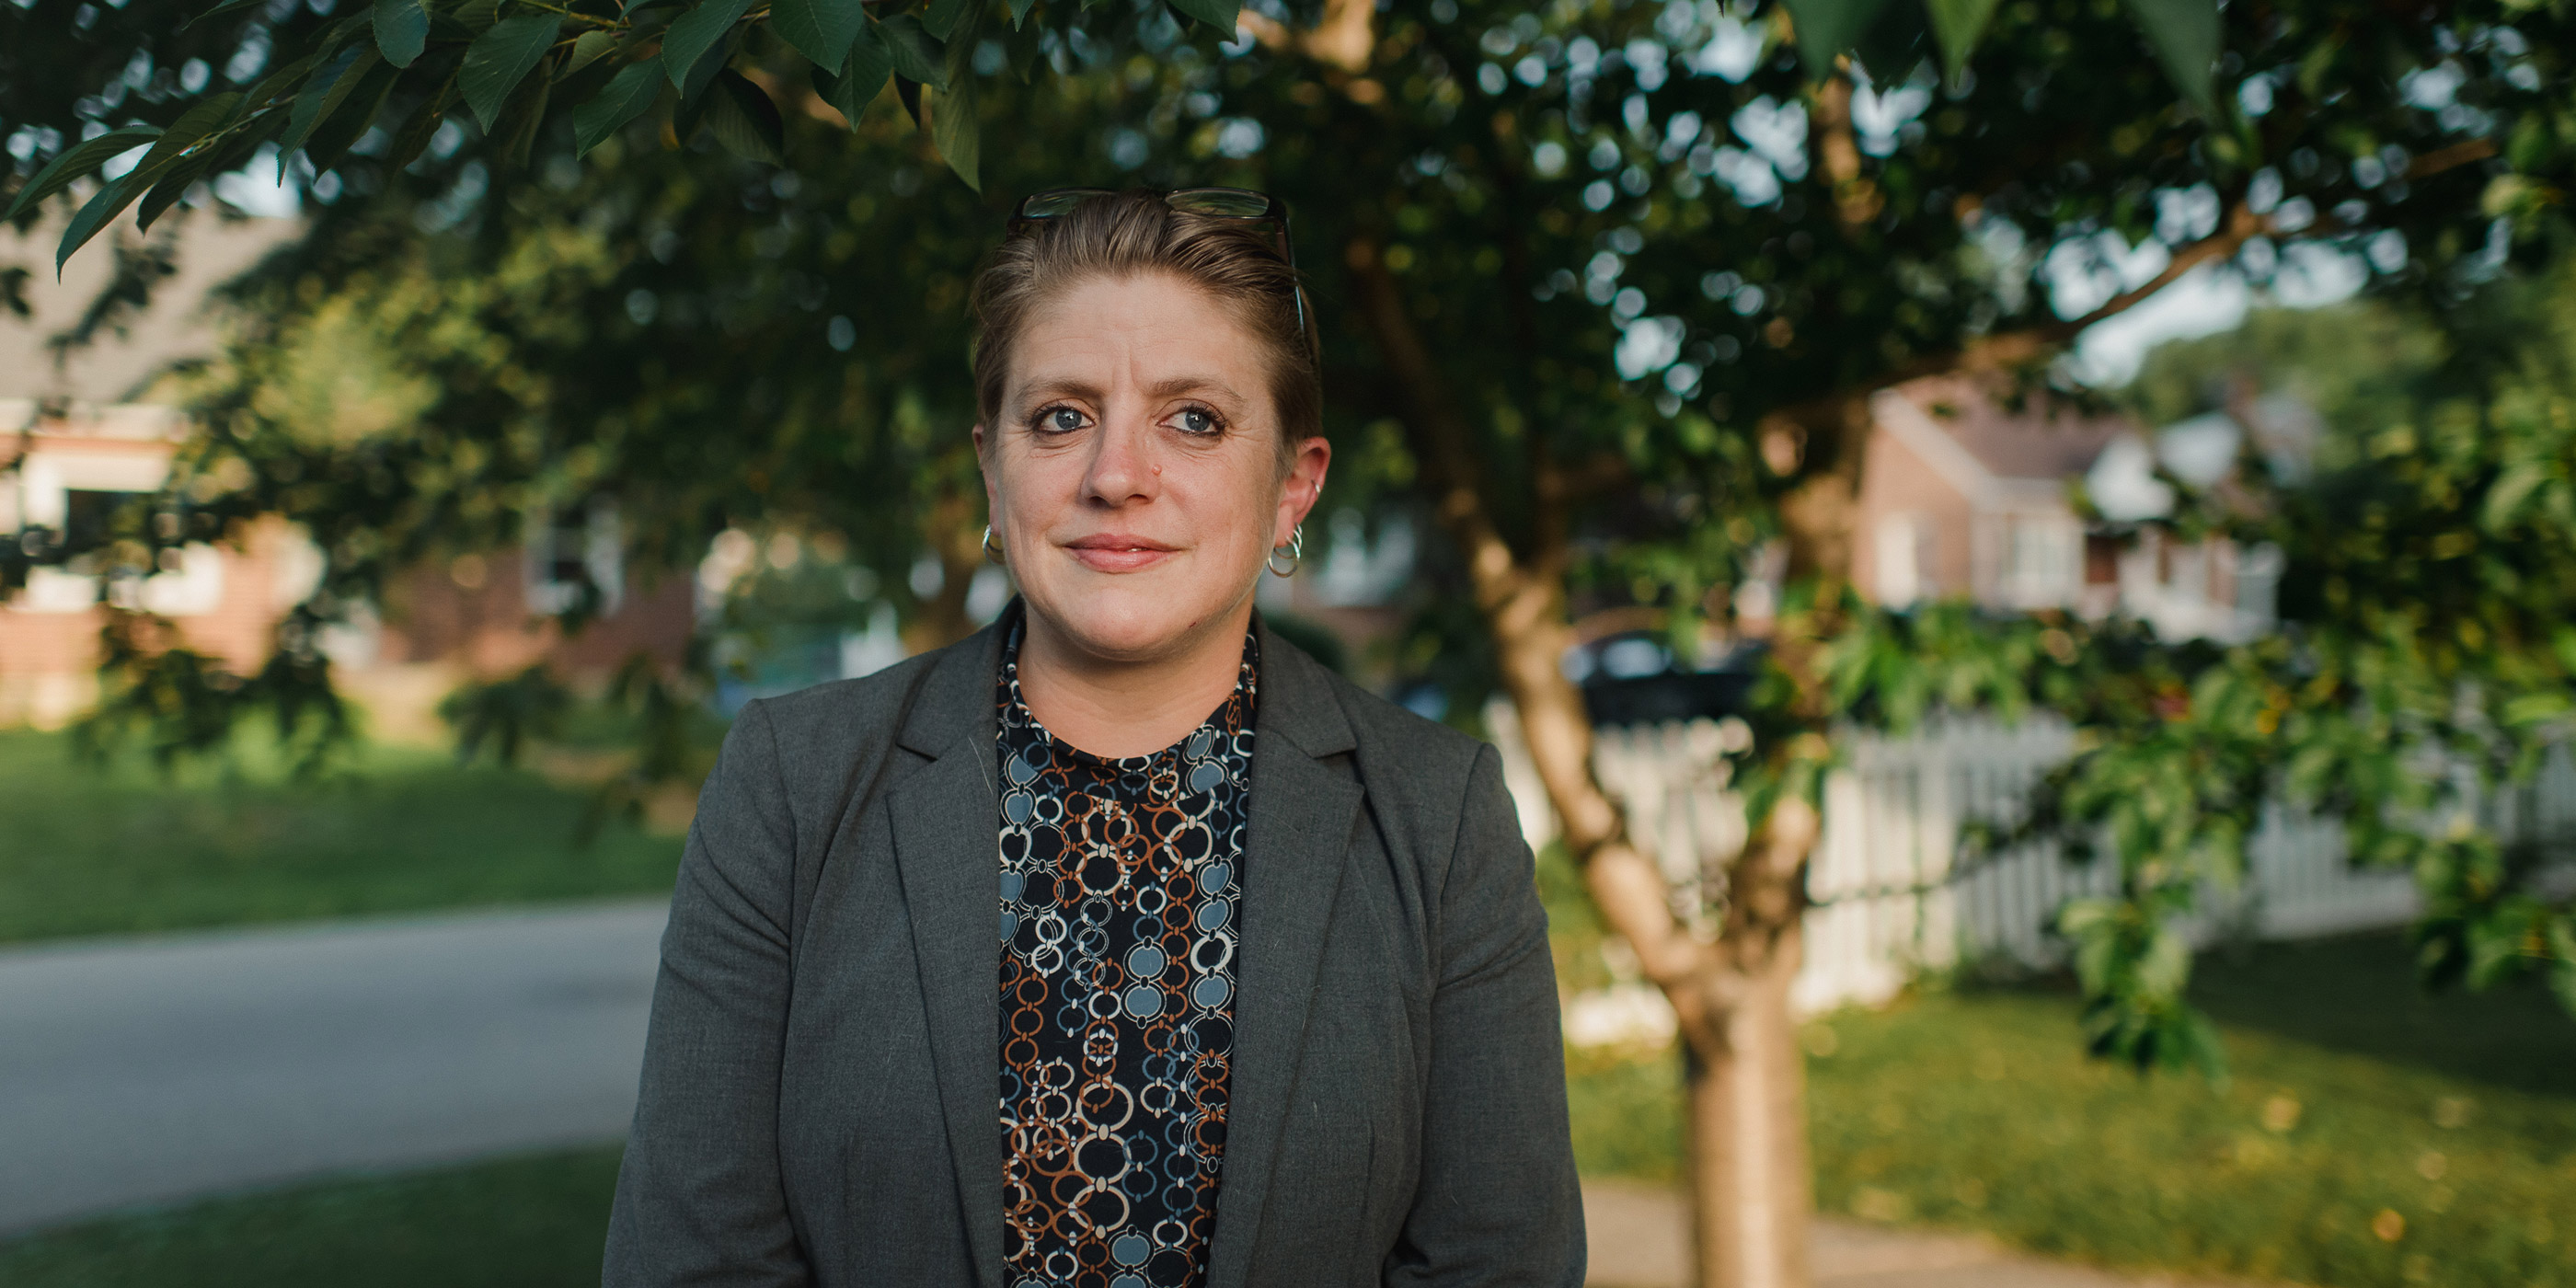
(1224, 203)
(1048, 205)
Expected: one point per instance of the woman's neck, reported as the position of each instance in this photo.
(1115, 708)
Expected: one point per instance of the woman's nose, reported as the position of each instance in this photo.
(1123, 467)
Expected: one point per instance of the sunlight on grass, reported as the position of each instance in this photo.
(2317, 1162)
(91, 850)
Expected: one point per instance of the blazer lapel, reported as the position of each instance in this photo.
(945, 827)
(1299, 842)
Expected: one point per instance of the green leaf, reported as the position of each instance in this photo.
(745, 121)
(226, 7)
(954, 129)
(628, 96)
(402, 30)
(822, 30)
(518, 129)
(2185, 36)
(477, 16)
(322, 95)
(173, 184)
(693, 34)
(916, 55)
(940, 19)
(415, 137)
(587, 48)
(77, 160)
(907, 91)
(1828, 27)
(857, 86)
(500, 58)
(1020, 10)
(1956, 25)
(345, 125)
(192, 127)
(1027, 45)
(1219, 14)
(703, 75)
(110, 201)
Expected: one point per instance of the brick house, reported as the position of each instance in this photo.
(1964, 496)
(80, 431)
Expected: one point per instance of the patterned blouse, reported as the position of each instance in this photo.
(1120, 880)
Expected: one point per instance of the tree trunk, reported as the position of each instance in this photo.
(1748, 1136)
(956, 537)
(1730, 997)
(1748, 1147)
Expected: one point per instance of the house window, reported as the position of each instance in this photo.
(1903, 550)
(2101, 560)
(2258, 583)
(570, 554)
(2043, 560)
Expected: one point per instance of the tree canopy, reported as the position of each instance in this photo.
(403, 70)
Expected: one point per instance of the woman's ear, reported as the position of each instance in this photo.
(984, 470)
(1303, 487)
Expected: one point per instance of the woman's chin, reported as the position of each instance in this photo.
(1129, 619)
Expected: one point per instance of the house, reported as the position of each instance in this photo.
(84, 428)
(1963, 495)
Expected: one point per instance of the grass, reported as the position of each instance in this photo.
(519, 1223)
(90, 850)
(2369, 1135)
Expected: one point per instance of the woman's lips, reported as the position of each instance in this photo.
(1118, 552)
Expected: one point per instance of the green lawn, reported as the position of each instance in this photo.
(2369, 1135)
(88, 850)
(522, 1223)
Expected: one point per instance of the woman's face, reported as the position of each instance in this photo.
(1134, 475)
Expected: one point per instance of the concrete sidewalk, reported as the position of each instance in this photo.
(1640, 1238)
(151, 1070)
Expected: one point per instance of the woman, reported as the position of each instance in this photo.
(1270, 1001)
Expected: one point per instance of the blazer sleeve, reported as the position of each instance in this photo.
(699, 1198)
(1498, 1204)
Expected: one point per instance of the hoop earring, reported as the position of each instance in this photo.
(1296, 549)
(992, 553)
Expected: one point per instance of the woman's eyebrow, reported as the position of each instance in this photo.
(1060, 387)
(1178, 385)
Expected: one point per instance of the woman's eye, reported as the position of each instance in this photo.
(1198, 420)
(1060, 419)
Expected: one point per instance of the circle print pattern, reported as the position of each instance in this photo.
(1120, 882)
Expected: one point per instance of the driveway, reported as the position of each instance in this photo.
(142, 1071)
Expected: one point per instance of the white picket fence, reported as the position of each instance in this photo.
(1890, 897)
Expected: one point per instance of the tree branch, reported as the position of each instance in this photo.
(1344, 43)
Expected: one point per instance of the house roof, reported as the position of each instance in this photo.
(120, 363)
(2042, 442)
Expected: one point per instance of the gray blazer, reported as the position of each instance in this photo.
(822, 1087)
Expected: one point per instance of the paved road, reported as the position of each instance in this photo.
(142, 1071)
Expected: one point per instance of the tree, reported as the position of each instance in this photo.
(1614, 284)
(405, 70)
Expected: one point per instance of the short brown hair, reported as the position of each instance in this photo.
(1132, 233)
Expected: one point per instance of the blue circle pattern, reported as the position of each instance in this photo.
(1119, 888)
